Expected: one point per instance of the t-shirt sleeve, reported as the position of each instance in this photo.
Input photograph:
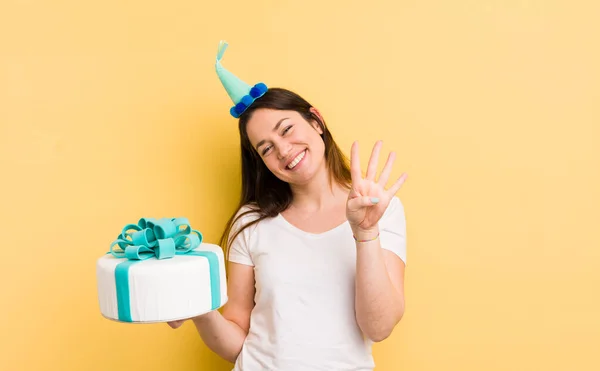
(240, 248)
(393, 229)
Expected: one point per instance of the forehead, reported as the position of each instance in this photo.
(263, 121)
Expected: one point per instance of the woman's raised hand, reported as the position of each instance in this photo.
(368, 198)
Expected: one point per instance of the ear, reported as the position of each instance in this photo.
(316, 125)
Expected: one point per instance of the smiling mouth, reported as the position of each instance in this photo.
(296, 160)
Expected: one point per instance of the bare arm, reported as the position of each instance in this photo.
(225, 333)
(379, 300)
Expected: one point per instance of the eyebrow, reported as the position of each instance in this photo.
(274, 129)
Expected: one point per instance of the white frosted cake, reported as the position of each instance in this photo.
(183, 280)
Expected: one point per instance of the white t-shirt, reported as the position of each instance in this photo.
(304, 318)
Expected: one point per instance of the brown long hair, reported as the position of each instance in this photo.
(264, 193)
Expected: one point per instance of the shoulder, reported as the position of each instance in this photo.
(247, 212)
(394, 207)
(393, 214)
(243, 225)
(393, 229)
(245, 216)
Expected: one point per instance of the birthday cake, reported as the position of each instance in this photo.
(160, 270)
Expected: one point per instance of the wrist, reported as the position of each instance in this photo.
(365, 235)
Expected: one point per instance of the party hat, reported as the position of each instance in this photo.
(242, 94)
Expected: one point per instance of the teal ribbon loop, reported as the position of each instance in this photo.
(161, 239)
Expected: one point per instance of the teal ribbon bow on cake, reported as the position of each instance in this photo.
(161, 239)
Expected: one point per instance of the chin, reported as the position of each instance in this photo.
(294, 178)
(303, 178)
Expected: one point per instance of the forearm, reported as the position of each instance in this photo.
(222, 336)
(379, 306)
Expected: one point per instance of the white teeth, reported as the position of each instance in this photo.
(296, 160)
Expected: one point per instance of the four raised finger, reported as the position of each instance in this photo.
(387, 169)
(355, 164)
(372, 168)
(373, 161)
(398, 184)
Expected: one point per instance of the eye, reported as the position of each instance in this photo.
(265, 150)
(287, 129)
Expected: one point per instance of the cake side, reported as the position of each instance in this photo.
(163, 290)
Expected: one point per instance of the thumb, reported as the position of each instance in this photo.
(175, 324)
(363, 201)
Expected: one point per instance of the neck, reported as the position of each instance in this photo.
(319, 194)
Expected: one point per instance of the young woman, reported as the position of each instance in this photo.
(316, 252)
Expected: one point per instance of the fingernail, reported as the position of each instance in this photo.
(374, 200)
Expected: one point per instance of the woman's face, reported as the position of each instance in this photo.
(289, 146)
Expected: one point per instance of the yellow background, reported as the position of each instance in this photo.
(111, 110)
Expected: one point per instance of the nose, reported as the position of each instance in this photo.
(284, 149)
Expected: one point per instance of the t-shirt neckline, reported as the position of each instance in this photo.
(304, 233)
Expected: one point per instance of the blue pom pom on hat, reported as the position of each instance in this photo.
(241, 93)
